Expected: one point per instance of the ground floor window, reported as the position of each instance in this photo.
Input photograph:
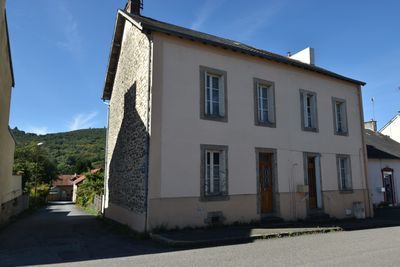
(344, 172)
(214, 172)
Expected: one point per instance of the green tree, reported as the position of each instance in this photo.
(34, 165)
(92, 185)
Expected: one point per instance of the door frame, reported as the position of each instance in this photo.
(275, 202)
(387, 169)
(318, 175)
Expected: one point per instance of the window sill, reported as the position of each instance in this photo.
(346, 191)
(342, 133)
(214, 198)
(214, 118)
(314, 130)
(265, 124)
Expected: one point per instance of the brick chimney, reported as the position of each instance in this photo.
(134, 7)
(370, 125)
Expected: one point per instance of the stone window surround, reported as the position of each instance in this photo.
(348, 190)
(224, 76)
(203, 196)
(308, 129)
(257, 122)
(334, 101)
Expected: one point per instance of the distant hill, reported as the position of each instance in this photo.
(70, 151)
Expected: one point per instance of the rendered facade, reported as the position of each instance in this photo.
(205, 130)
(10, 185)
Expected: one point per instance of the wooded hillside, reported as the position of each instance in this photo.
(72, 152)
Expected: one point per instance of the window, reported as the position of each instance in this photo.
(214, 174)
(344, 172)
(264, 103)
(309, 110)
(339, 116)
(213, 94)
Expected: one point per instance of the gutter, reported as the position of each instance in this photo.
(367, 199)
(148, 129)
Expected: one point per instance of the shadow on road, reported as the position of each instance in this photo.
(61, 233)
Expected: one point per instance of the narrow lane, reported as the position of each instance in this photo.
(61, 233)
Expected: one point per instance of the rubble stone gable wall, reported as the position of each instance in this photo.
(127, 155)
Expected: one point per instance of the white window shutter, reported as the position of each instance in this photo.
(348, 177)
(222, 171)
(314, 111)
(344, 116)
(305, 117)
(336, 116)
(271, 105)
(221, 96)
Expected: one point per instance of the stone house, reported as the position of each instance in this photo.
(206, 130)
(11, 200)
(62, 188)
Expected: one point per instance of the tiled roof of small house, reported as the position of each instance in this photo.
(150, 24)
(380, 146)
(64, 180)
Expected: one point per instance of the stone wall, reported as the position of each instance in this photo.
(13, 207)
(128, 134)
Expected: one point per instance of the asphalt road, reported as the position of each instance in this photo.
(62, 234)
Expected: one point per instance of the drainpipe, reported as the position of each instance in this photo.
(366, 194)
(105, 189)
(149, 37)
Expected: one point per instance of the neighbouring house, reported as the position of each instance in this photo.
(62, 188)
(383, 167)
(12, 200)
(205, 130)
(76, 183)
(392, 128)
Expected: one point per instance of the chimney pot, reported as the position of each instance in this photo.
(370, 125)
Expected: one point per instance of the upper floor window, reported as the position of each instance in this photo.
(213, 94)
(214, 176)
(265, 103)
(309, 111)
(344, 172)
(340, 116)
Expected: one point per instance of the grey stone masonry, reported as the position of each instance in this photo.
(128, 133)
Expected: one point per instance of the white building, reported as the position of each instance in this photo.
(205, 130)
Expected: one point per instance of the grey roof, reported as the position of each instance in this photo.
(381, 142)
(390, 122)
(159, 26)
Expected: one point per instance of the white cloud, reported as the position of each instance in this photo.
(38, 130)
(208, 8)
(82, 121)
(72, 41)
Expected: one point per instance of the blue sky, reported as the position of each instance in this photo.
(60, 48)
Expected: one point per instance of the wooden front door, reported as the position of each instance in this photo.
(265, 176)
(312, 183)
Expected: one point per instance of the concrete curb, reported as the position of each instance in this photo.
(238, 239)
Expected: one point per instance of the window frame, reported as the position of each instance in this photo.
(335, 130)
(222, 195)
(303, 127)
(256, 83)
(349, 173)
(223, 75)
